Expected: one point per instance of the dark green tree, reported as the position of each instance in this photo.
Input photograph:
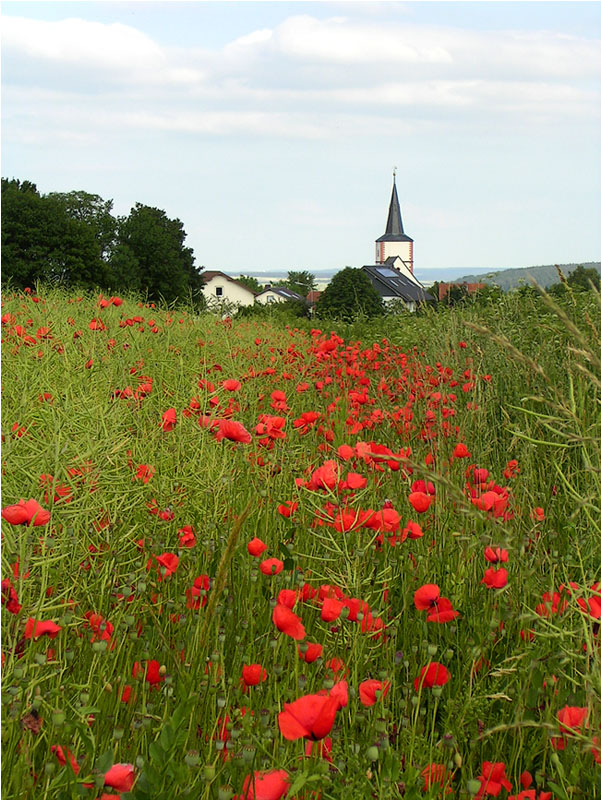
(581, 276)
(250, 282)
(95, 212)
(150, 256)
(41, 242)
(301, 281)
(349, 295)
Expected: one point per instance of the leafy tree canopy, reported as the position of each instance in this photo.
(581, 276)
(94, 211)
(349, 295)
(150, 256)
(41, 242)
(250, 282)
(301, 281)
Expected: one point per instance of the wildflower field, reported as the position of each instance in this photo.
(246, 560)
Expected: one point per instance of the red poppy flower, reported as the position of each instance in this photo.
(325, 477)
(432, 675)
(369, 689)
(197, 595)
(270, 785)
(442, 612)
(321, 748)
(144, 472)
(288, 508)
(288, 622)
(496, 554)
(287, 598)
(461, 451)
(495, 578)
(493, 778)
(572, 718)
(253, 675)
(37, 628)
(168, 420)
(312, 716)
(312, 652)
(538, 514)
(9, 597)
(271, 567)
(120, 777)
(231, 385)
(235, 432)
(412, 530)
(152, 672)
(512, 469)
(187, 538)
(426, 596)
(60, 755)
(26, 512)
(256, 547)
(436, 774)
(331, 609)
(355, 481)
(168, 561)
(420, 501)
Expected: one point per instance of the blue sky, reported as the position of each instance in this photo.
(271, 129)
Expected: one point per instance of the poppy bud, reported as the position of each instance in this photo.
(372, 753)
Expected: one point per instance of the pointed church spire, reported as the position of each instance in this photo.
(394, 223)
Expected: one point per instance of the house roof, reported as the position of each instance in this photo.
(283, 291)
(389, 282)
(313, 296)
(207, 275)
(394, 231)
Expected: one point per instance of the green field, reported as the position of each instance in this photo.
(423, 621)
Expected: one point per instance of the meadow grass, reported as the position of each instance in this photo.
(518, 380)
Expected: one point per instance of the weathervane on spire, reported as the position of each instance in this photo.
(394, 173)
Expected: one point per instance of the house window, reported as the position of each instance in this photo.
(271, 299)
(219, 291)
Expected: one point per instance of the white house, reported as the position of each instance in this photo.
(222, 292)
(277, 294)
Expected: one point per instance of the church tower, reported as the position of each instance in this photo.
(394, 242)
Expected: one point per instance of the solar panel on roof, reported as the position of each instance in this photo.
(387, 272)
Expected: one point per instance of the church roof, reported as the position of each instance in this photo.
(394, 231)
(389, 282)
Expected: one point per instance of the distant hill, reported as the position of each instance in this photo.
(545, 275)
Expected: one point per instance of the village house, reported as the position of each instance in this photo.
(470, 288)
(222, 292)
(277, 294)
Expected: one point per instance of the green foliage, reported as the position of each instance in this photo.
(348, 296)
(72, 239)
(301, 282)
(250, 282)
(42, 242)
(95, 212)
(583, 278)
(150, 256)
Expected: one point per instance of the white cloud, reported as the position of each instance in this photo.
(305, 78)
(116, 49)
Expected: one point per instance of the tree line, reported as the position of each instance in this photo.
(72, 239)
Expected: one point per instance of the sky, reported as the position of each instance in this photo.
(271, 129)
